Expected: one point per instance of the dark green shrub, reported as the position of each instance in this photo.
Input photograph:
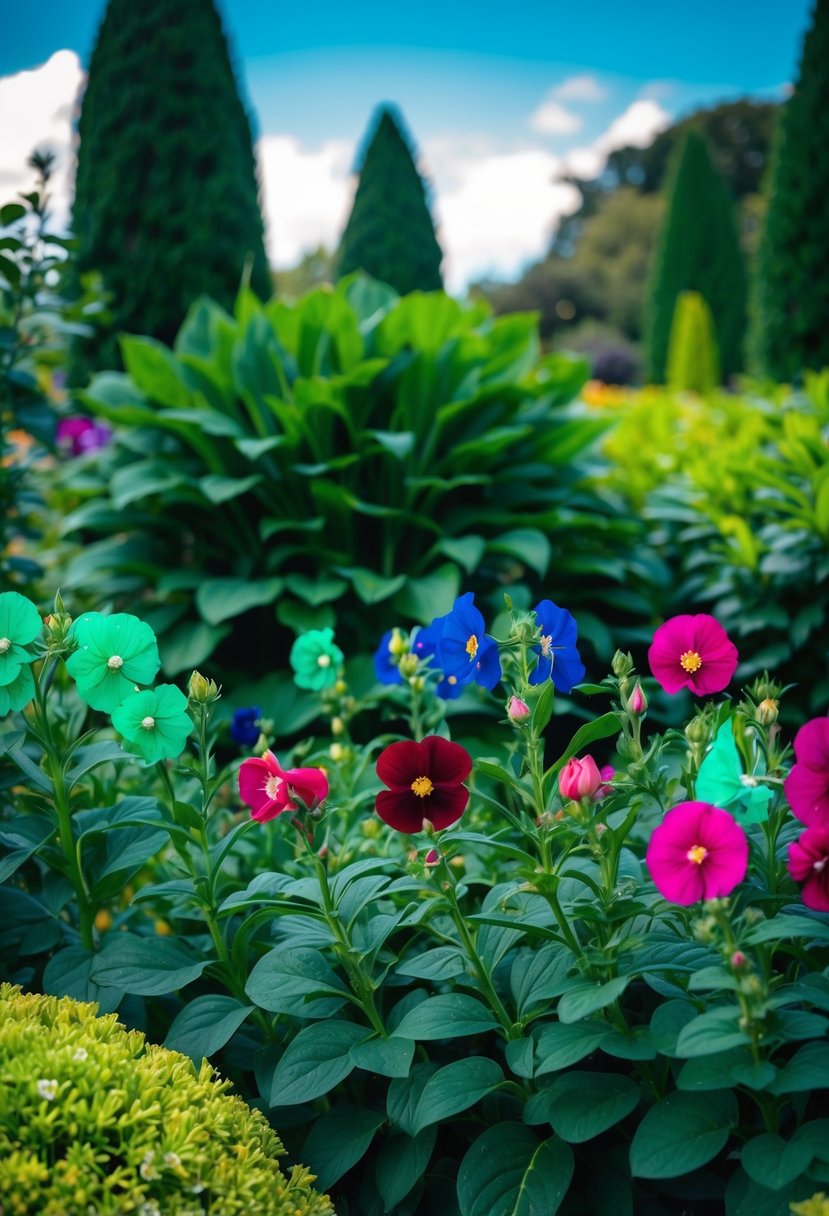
(390, 234)
(95, 1119)
(792, 286)
(166, 202)
(698, 250)
(343, 461)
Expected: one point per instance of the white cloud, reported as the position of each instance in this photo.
(636, 126)
(580, 88)
(36, 112)
(500, 210)
(306, 195)
(552, 118)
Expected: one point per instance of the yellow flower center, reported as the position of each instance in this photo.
(115, 662)
(697, 854)
(451, 679)
(5, 643)
(147, 723)
(422, 786)
(324, 660)
(690, 661)
(273, 786)
(472, 645)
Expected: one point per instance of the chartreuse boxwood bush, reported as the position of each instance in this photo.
(332, 462)
(95, 1119)
(733, 491)
(476, 980)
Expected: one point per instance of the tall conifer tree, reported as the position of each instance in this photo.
(792, 314)
(390, 234)
(166, 201)
(698, 250)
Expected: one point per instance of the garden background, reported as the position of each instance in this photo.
(557, 370)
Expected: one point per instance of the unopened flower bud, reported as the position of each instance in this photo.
(340, 687)
(738, 960)
(398, 644)
(638, 702)
(517, 710)
(337, 726)
(371, 828)
(337, 752)
(697, 730)
(200, 690)
(408, 665)
(767, 711)
(622, 664)
(418, 683)
(432, 858)
(601, 828)
(579, 779)
(427, 827)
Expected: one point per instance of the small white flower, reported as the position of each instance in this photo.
(146, 1169)
(197, 1188)
(47, 1089)
(173, 1160)
(80, 1054)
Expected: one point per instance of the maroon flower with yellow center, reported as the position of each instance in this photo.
(425, 781)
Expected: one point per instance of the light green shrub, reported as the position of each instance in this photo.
(95, 1120)
(693, 359)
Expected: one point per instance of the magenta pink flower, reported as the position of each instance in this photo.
(807, 785)
(692, 652)
(606, 773)
(809, 864)
(579, 779)
(699, 851)
(268, 789)
(518, 710)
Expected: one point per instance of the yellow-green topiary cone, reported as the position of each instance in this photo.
(95, 1120)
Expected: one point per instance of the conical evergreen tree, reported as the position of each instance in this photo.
(166, 202)
(698, 250)
(792, 313)
(389, 233)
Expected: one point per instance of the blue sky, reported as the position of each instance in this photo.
(490, 99)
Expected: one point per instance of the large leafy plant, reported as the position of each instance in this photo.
(330, 461)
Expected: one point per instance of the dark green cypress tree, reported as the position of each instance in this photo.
(390, 234)
(698, 250)
(166, 201)
(792, 300)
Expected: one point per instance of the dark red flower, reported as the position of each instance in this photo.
(424, 782)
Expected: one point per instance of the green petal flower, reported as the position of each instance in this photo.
(154, 722)
(721, 781)
(114, 654)
(19, 693)
(315, 659)
(20, 624)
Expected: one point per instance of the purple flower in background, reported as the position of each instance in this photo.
(75, 436)
(244, 725)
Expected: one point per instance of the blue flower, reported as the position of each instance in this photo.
(464, 653)
(557, 655)
(244, 726)
(385, 665)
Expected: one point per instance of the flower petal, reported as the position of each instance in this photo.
(447, 763)
(400, 763)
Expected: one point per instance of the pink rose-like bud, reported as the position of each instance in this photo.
(579, 779)
(738, 959)
(432, 858)
(518, 710)
(638, 702)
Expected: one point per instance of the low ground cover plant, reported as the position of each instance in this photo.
(457, 980)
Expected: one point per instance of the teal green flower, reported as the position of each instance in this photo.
(17, 694)
(155, 722)
(315, 659)
(722, 782)
(114, 654)
(20, 624)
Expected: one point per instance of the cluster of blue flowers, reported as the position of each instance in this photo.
(464, 652)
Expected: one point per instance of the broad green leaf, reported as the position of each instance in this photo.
(89, 757)
(775, 1162)
(221, 599)
(467, 551)
(143, 479)
(599, 728)
(716, 1030)
(509, 1172)
(713, 1072)
(298, 981)
(145, 966)
(422, 599)
(442, 963)
(527, 545)
(581, 1002)
(520, 1057)
(188, 645)
(580, 1105)
(668, 1021)
(542, 709)
(400, 1163)
(682, 1132)
(744, 1197)
(315, 1061)
(558, 1046)
(446, 1017)
(371, 588)
(218, 489)
(404, 1095)
(781, 927)
(338, 1140)
(155, 371)
(807, 1070)
(69, 973)
(538, 975)
(20, 838)
(454, 1088)
(388, 1057)
(315, 591)
(205, 1025)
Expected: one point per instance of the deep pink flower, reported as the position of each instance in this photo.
(606, 773)
(638, 702)
(579, 779)
(692, 652)
(425, 782)
(79, 435)
(268, 789)
(699, 851)
(807, 785)
(809, 864)
(518, 710)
